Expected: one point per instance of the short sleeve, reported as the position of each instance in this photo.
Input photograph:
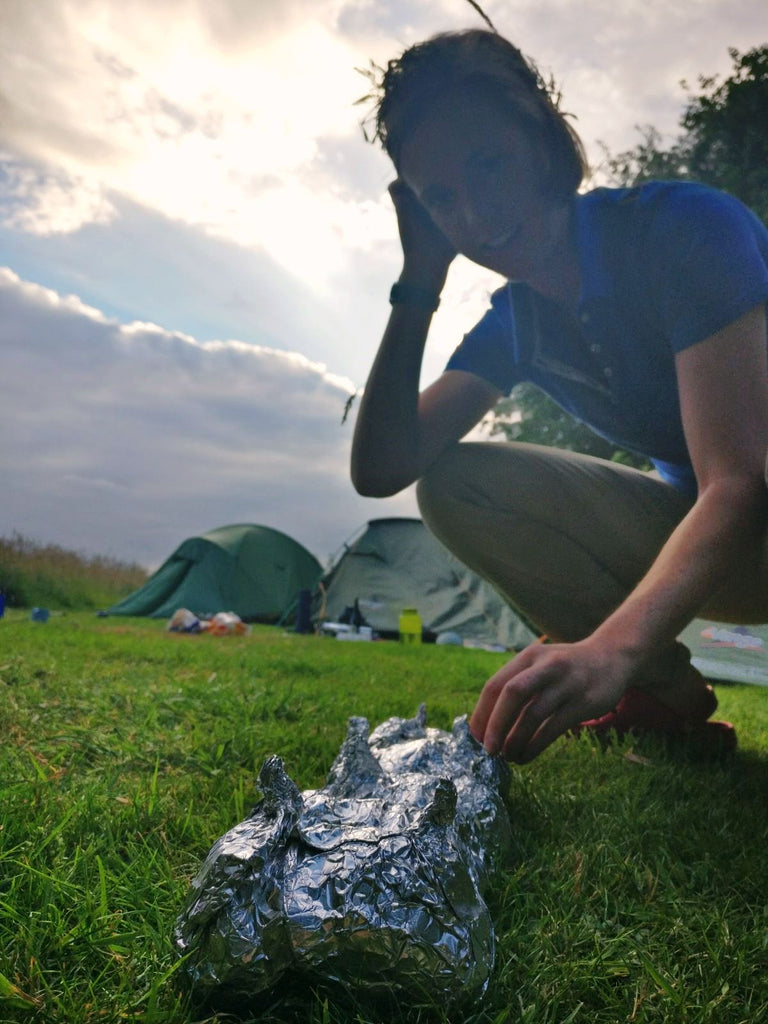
(489, 350)
(709, 255)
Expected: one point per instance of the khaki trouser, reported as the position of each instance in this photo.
(564, 537)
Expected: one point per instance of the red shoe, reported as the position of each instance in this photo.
(641, 714)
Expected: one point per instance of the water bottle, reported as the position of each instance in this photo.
(410, 626)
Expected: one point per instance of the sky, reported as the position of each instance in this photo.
(197, 244)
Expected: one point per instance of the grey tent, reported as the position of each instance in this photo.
(254, 571)
(719, 650)
(397, 563)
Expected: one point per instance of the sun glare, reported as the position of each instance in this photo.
(221, 139)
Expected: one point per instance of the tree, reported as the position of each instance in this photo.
(530, 415)
(724, 143)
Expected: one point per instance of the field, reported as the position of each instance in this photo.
(637, 891)
(48, 575)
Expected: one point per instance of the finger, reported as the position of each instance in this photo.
(512, 698)
(531, 718)
(490, 694)
(482, 711)
(564, 719)
(400, 192)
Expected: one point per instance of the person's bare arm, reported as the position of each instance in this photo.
(723, 386)
(545, 691)
(399, 432)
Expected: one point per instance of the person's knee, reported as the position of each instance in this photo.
(446, 480)
(475, 473)
(457, 491)
(433, 490)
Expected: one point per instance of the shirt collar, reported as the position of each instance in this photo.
(594, 276)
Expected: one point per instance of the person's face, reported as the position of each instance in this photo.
(483, 183)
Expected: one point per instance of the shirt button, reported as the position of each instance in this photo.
(585, 317)
(608, 372)
(595, 348)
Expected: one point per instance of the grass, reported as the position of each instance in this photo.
(51, 576)
(638, 885)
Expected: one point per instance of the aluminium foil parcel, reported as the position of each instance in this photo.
(373, 883)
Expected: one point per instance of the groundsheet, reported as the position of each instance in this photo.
(720, 650)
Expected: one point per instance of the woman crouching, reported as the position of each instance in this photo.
(642, 312)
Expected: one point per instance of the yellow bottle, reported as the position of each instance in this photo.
(410, 626)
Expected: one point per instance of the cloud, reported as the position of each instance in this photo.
(192, 108)
(180, 119)
(128, 438)
(237, 119)
(143, 264)
(201, 166)
(211, 174)
(620, 64)
(44, 202)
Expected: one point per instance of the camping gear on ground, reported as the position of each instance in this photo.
(184, 621)
(303, 611)
(353, 616)
(364, 633)
(409, 626)
(226, 624)
(397, 563)
(732, 653)
(39, 614)
(220, 624)
(334, 628)
(374, 883)
(448, 639)
(254, 571)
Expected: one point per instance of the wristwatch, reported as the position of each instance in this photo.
(403, 294)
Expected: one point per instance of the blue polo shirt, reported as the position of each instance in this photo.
(663, 266)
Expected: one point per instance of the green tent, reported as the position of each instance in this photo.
(253, 571)
(397, 563)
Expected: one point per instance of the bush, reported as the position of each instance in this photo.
(51, 576)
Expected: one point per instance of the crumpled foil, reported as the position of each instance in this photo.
(373, 882)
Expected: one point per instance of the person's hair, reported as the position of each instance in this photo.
(484, 62)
